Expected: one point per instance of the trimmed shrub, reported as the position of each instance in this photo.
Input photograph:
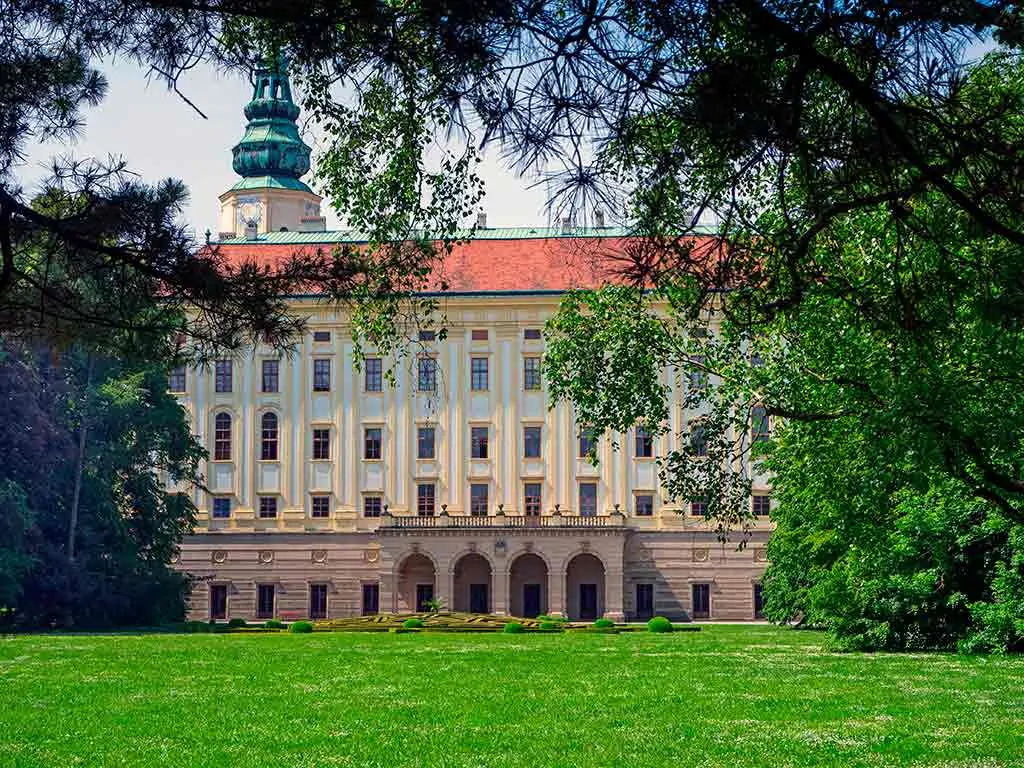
(544, 617)
(412, 623)
(659, 624)
(604, 624)
(549, 625)
(236, 622)
(301, 627)
(274, 624)
(513, 628)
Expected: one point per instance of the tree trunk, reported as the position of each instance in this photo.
(80, 462)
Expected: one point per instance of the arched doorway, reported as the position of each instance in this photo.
(528, 586)
(472, 584)
(584, 587)
(416, 584)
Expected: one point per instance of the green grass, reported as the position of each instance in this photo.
(727, 696)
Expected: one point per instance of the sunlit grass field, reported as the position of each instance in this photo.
(726, 696)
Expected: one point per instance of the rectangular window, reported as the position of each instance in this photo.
(762, 504)
(588, 442)
(265, 601)
(318, 601)
(321, 336)
(176, 379)
(222, 376)
(644, 601)
(759, 431)
(758, 601)
(268, 507)
(425, 443)
(531, 373)
(531, 499)
(425, 499)
(698, 440)
(644, 443)
(372, 443)
(478, 373)
(221, 508)
(644, 505)
(321, 444)
(321, 507)
(322, 375)
(222, 437)
(426, 336)
(479, 334)
(218, 601)
(698, 507)
(426, 379)
(701, 601)
(532, 334)
(531, 442)
(588, 499)
(373, 373)
(698, 376)
(372, 506)
(478, 499)
(478, 442)
(371, 599)
(271, 374)
(268, 437)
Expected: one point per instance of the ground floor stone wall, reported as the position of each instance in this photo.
(616, 572)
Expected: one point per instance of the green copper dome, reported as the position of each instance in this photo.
(271, 149)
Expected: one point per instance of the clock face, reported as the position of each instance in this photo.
(249, 209)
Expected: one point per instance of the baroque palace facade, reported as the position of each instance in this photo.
(332, 493)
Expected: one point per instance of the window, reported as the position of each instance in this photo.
(478, 373)
(478, 443)
(218, 601)
(221, 508)
(427, 375)
(698, 377)
(531, 442)
(176, 379)
(758, 601)
(479, 334)
(759, 432)
(321, 444)
(531, 499)
(701, 601)
(426, 336)
(321, 336)
(588, 442)
(271, 372)
(644, 505)
(762, 504)
(531, 373)
(425, 443)
(588, 499)
(698, 507)
(644, 601)
(268, 437)
(698, 440)
(373, 374)
(222, 376)
(756, 360)
(268, 507)
(265, 601)
(372, 506)
(644, 443)
(371, 599)
(321, 507)
(318, 601)
(372, 443)
(222, 437)
(425, 499)
(478, 499)
(532, 334)
(322, 375)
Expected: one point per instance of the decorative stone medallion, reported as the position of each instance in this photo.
(219, 556)
(584, 546)
(319, 556)
(500, 547)
(371, 555)
(761, 555)
(472, 546)
(701, 555)
(266, 556)
(528, 546)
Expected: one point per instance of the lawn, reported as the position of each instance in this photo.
(727, 696)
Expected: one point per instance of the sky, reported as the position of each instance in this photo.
(161, 136)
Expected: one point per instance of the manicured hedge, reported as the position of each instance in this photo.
(659, 624)
(301, 627)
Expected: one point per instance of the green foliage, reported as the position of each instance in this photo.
(236, 622)
(513, 628)
(604, 624)
(301, 627)
(659, 624)
(273, 624)
(435, 605)
(550, 624)
(412, 623)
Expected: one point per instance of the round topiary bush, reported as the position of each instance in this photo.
(604, 624)
(236, 622)
(273, 624)
(301, 627)
(659, 624)
(513, 628)
(549, 625)
(412, 623)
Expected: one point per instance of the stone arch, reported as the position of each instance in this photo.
(529, 574)
(472, 583)
(416, 581)
(585, 586)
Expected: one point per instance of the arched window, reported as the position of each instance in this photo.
(268, 441)
(222, 437)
